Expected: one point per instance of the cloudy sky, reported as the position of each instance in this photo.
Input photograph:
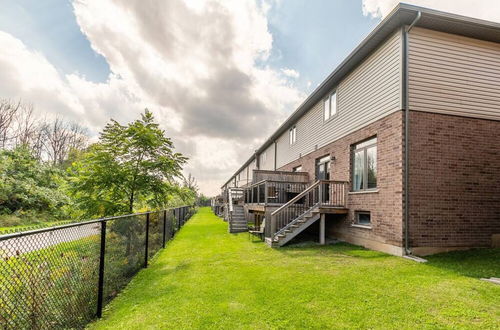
(219, 75)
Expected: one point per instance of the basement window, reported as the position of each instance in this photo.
(363, 218)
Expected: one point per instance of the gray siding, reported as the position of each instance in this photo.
(454, 75)
(368, 93)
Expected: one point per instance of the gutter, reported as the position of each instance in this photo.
(406, 103)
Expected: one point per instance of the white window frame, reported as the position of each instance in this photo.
(292, 135)
(330, 106)
(363, 148)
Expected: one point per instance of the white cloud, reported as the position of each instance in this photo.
(290, 73)
(198, 65)
(28, 75)
(483, 9)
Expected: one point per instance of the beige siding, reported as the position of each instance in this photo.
(370, 92)
(454, 75)
(267, 158)
(252, 166)
(241, 177)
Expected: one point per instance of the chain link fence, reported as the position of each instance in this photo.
(61, 277)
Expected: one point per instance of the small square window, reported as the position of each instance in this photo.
(363, 218)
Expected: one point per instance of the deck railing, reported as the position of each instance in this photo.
(323, 193)
(267, 192)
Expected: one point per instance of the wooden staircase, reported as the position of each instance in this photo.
(237, 220)
(306, 208)
(294, 228)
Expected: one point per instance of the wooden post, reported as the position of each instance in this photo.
(322, 229)
(320, 193)
(265, 193)
(273, 225)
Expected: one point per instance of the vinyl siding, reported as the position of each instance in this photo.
(242, 177)
(268, 163)
(252, 166)
(454, 75)
(368, 93)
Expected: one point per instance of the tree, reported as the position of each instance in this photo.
(61, 137)
(131, 165)
(8, 112)
(28, 185)
(190, 183)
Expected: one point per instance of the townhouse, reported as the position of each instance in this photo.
(397, 150)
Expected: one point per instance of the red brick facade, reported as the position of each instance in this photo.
(454, 181)
(385, 205)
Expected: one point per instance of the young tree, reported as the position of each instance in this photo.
(130, 165)
(190, 183)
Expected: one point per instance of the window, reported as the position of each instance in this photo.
(330, 106)
(363, 218)
(293, 135)
(297, 169)
(364, 169)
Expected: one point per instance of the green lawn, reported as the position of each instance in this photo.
(207, 278)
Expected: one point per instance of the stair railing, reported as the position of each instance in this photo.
(322, 193)
(283, 217)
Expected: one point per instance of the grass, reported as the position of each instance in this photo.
(207, 278)
(8, 229)
(51, 286)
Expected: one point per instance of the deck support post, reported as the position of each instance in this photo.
(322, 229)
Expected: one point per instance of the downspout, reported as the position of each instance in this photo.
(275, 154)
(407, 132)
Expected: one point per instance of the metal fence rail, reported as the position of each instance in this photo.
(61, 277)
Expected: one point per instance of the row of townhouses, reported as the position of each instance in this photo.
(397, 150)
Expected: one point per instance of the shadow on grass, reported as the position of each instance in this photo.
(477, 263)
(307, 248)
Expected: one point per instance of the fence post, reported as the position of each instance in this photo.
(147, 242)
(164, 227)
(179, 219)
(100, 285)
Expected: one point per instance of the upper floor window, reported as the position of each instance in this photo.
(297, 169)
(292, 134)
(364, 169)
(330, 106)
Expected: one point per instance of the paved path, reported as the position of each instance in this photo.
(24, 244)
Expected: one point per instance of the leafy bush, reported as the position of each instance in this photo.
(29, 186)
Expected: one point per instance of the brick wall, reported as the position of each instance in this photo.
(385, 205)
(454, 181)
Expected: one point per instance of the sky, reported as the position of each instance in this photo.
(219, 76)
